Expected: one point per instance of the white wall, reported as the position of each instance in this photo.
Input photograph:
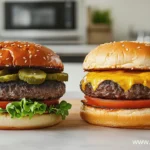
(126, 13)
(76, 73)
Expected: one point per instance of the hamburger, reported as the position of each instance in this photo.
(31, 84)
(117, 85)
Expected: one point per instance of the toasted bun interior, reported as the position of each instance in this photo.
(25, 54)
(123, 118)
(119, 55)
(37, 121)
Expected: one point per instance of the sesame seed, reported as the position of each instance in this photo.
(24, 58)
(1, 56)
(0, 53)
(138, 47)
(122, 45)
(20, 46)
(44, 58)
(30, 56)
(35, 55)
(7, 65)
(127, 49)
(37, 45)
(49, 54)
(7, 58)
(29, 52)
(37, 50)
(25, 61)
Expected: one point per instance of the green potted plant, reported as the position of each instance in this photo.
(99, 27)
(101, 17)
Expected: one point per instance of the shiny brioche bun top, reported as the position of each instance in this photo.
(119, 55)
(25, 54)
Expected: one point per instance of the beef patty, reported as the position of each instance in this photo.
(111, 90)
(19, 89)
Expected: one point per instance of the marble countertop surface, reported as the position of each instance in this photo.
(74, 134)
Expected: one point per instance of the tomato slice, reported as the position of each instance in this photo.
(117, 104)
(50, 102)
(3, 104)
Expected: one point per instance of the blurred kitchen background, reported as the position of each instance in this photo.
(74, 27)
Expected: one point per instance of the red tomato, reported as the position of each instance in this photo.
(117, 104)
(50, 102)
(3, 104)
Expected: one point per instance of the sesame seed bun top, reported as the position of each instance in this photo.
(25, 54)
(119, 55)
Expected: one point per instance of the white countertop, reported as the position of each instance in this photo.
(73, 138)
(74, 134)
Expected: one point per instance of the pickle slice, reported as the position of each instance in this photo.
(57, 76)
(3, 72)
(9, 77)
(32, 76)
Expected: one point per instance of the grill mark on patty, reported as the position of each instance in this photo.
(111, 90)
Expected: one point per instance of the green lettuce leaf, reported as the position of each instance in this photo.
(25, 108)
(2, 110)
(61, 109)
(29, 108)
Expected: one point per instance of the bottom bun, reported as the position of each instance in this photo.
(37, 121)
(122, 118)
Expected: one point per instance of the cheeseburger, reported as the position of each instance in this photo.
(31, 83)
(117, 85)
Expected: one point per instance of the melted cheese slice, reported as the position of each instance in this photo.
(124, 79)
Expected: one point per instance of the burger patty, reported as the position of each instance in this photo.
(19, 89)
(111, 90)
